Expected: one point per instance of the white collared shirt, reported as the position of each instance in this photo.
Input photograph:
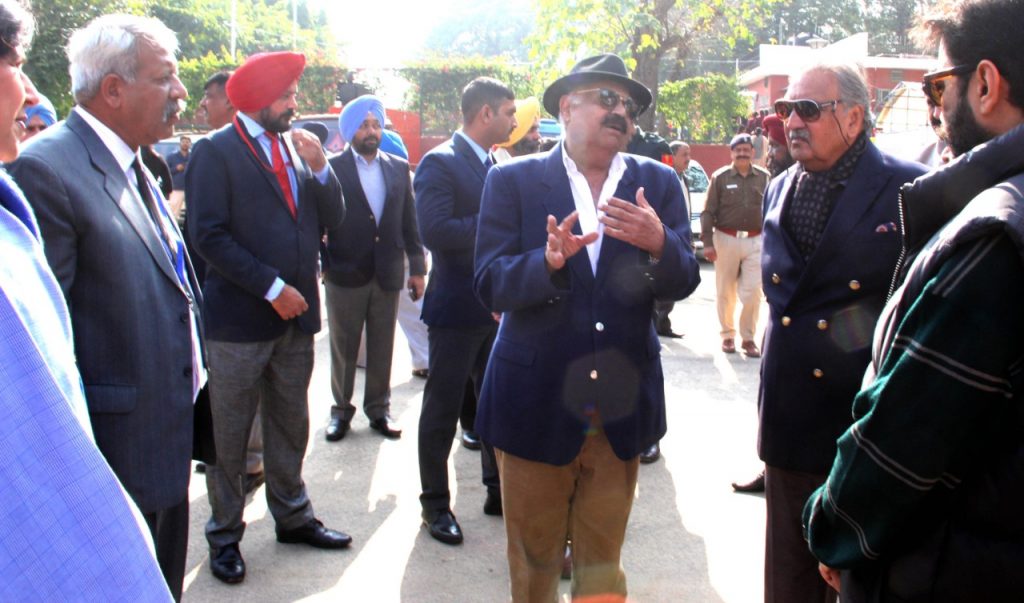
(124, 156)
(588, 214)
(371, 178)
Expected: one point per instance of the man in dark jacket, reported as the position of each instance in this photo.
(257, 204)
(830, 245)
(365, 268)
(923, 500)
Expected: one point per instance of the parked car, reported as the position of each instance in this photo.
(334, 142)
(550, 128)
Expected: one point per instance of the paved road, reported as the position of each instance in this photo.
(690, 537)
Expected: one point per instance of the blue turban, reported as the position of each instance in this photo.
(354, 114)
(391, 142)
(44, 109)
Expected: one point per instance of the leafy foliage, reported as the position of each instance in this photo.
(204, 33)
(653, 36)
(704, 107)
(437, 85)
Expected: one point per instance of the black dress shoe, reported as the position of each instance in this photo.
(443, 527)
(470, 439)
(492, 505)
(227, 565)
(421, 373)
(670, 334)
(754, 485)
(384, 428)
(200, 467)
(336, 429)
(651, 454)
(253, 481)
(316, 535)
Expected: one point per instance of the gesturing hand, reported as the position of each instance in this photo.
(637, 224)
(563, 243)
(308, 146)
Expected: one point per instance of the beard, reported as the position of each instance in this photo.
(525, 146)
(963, 132)
(368, 145)
(280, 123)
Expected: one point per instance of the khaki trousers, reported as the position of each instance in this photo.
(588, 500)
(738, 270)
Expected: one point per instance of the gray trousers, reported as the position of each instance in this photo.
(274, 377)
(348, 309)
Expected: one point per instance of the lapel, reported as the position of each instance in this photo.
(462, 149)
(856, 200)
(349, 175)
(391, 185)
(261, 162)
(784, 199)
(119, 191)
(558, 201)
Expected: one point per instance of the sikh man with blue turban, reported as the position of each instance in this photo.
(364, 266)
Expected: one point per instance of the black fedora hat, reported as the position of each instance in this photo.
(603, 67)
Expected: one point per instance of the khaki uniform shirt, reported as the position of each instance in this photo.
(733, 201)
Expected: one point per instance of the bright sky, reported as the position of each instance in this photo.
(383, 33)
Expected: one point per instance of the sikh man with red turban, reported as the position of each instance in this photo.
(259, 196)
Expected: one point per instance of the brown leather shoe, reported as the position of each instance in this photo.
(750, 349)
(728, 346)
(754, 485)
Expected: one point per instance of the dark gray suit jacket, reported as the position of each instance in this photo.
(361, 249)
(129, 312)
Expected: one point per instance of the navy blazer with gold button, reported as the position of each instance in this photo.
(823, 311)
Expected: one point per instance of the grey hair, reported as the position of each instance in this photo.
(110, 45)
(853, 85)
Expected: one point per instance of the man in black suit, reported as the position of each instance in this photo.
(123, 268)
(365, 266)
(258, 202)
(448, 183)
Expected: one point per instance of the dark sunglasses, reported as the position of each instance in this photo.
(807, 109)
(610, 99)
(934, 84)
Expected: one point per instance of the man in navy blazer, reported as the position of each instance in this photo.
(364, 265)
(830, 247)
(574, 246)
(448, 184)
(258, 203)
(121, 264)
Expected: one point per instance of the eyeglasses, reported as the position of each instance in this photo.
(807, 109)
(934, 84)
(610, 99)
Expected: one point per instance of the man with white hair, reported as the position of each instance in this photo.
(829, 250)
(121, 263)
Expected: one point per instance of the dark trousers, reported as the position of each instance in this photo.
(662, 323)
(169, 528)
(274, 377)
(457, 355)
(790, 570)
(348, 310)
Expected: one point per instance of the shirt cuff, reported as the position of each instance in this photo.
(274, 290)
(321, 176)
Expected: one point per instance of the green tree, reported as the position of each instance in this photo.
(436, 91)
(703, 106)
(889, 24)
(47, 61)
(652, 35)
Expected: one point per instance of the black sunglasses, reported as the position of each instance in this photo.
(807, 109)
(610, 99)
(934, 84)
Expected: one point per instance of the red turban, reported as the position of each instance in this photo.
(773, 127)
(263, 78)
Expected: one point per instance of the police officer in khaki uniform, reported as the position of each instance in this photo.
(731, 232)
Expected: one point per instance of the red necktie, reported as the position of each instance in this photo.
(281, 171)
